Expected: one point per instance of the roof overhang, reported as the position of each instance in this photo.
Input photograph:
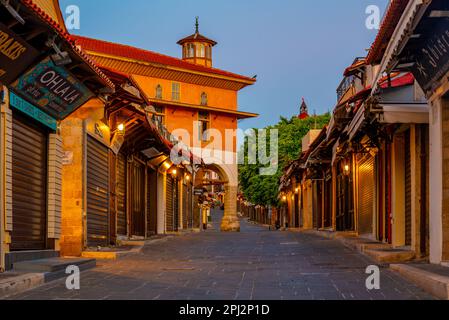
(402, 33)
(152, 69)
(404, 113)
(239, 114)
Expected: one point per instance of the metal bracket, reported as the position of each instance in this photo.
(12, 11)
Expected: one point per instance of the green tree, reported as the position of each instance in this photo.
(263, 190)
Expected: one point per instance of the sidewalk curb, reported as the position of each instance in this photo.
(21, 283)
(434, 284)
(115, 255)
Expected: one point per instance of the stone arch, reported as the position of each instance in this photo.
(229, 174)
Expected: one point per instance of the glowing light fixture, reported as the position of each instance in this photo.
(121, 127)
(347, 169)
(174, 171)
(297, 190)
(167, 165)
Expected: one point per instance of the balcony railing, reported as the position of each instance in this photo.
(345, 84)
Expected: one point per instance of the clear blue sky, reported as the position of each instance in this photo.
(297, 48)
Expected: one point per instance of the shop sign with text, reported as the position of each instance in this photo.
(16, 55)
(53, 89)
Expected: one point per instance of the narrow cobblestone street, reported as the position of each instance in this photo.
(254, 264)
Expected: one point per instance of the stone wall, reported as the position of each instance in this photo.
(72, 242)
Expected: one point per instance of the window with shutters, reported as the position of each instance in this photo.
(158, 91)
(204, 125)
(176, 91)
(204, 99)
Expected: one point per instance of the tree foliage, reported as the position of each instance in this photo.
(263, 190)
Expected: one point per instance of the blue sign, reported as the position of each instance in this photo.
(30, 110)
(53, 89)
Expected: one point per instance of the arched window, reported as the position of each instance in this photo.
(158, 91)
(200, 53)
(204, 99)
(190, 50)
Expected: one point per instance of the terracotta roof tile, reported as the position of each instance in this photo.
(129, 52)
(389, 24)
(66, 36)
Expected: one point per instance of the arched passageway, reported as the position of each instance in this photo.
(229, 178)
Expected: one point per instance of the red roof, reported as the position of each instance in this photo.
(399, 81)
(389, 23)
(129, 52)
(354, 67)
(197, 37)
(63, 34)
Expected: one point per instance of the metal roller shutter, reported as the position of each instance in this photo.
(121, 195)
(185, 204)
(29, 183)
(366, 194)
(408, 191)
(152, 203)
(189, 206)
(169, 205)
(176, 205)
(97, 193)
(138, 199)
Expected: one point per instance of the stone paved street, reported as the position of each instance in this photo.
(254, 264)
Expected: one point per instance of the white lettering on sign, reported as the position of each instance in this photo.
(59, 86)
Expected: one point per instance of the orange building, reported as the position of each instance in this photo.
(197, 103)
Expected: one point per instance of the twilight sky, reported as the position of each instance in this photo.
(297, 48)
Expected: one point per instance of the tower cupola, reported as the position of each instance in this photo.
(303, 110)
(196, 48)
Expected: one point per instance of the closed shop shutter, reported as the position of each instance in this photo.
(189, 206)
(169, 205)
(176, 205)
(97, 193)
(317, 204)
(121, 195)
(366, 194)
(152, 203)
(29, 185)
(408, 191)
(185, 203)
(138, 199)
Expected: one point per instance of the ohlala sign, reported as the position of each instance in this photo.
(16, 55)
(432, 56)
(52, 88)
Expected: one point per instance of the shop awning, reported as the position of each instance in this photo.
(357, 122)
(404, 113)
(403, 30)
